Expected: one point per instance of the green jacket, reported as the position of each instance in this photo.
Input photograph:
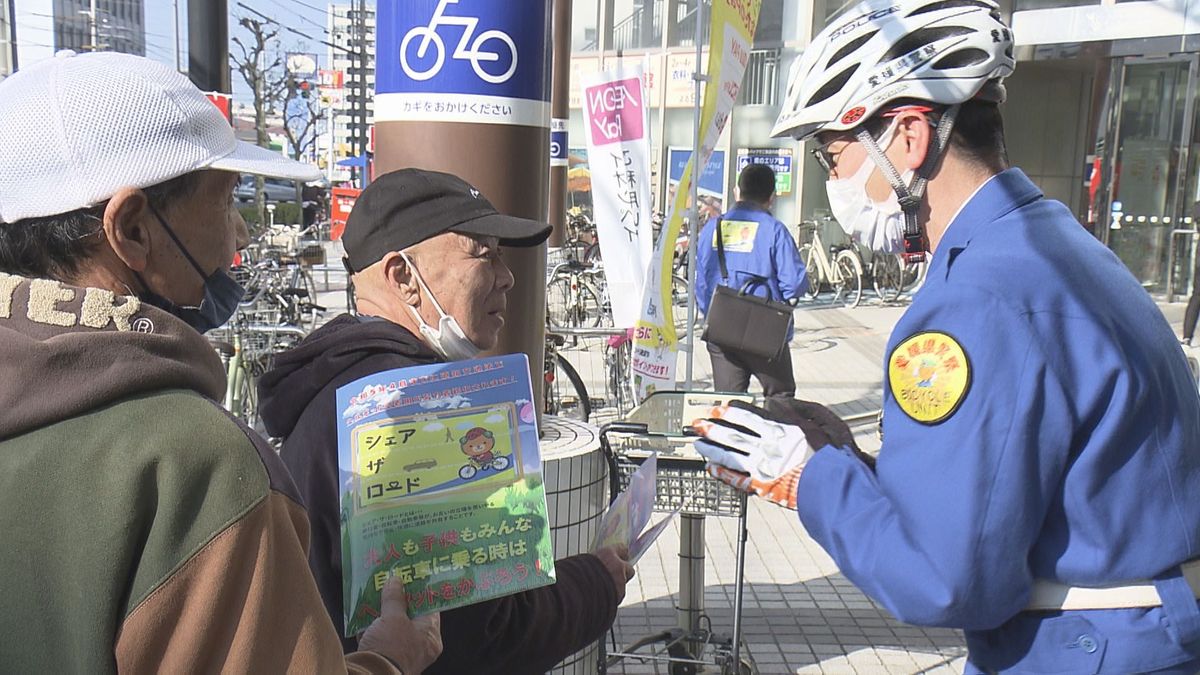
(143, 528)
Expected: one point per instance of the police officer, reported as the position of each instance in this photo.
(757, 247)
(1037, 486)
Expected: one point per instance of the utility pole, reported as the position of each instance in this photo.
(178, 46)
(362, 93)
(12, 33)
(560, 112)
(94, 27)
(95, 31)
(208, 45)
(358, 55)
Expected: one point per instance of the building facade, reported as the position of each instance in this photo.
(346, 131)
(42, 27)
(1103, 110)
(117, 26)
(661, 34)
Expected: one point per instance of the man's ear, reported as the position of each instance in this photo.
(398, 276)
(917, 132)
(125, 228)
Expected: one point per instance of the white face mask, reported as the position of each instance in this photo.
(879, 226)
(448, 339)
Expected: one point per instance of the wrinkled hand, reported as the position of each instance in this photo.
(413, 644)
(616, 561)
(753, 453)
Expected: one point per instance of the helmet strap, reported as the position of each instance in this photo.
(910, 196)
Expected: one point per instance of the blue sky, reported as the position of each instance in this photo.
(307, 16)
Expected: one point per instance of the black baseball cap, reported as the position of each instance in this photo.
(406, 207)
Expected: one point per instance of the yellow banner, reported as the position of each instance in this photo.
(656, 344)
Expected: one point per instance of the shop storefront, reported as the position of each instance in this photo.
(1103, 109)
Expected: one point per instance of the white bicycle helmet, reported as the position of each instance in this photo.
(879, 51)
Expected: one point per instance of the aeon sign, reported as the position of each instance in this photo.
(616, 111)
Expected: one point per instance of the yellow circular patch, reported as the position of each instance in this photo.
(929, 375)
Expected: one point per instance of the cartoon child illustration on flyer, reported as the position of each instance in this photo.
(478, 445)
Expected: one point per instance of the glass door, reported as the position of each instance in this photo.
(1152, 177)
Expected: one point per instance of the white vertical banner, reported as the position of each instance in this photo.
(656, 344)
(617, 127)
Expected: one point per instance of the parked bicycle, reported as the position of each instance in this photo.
(582, 244)
(887, 276)
(838, 267)
(575, 296)
(563, 391)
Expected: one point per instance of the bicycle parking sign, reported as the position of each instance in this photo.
(463, 61)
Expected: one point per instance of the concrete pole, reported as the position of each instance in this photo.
(560, 113)
(95, 27)
(363, 127)
(208, 45)
(694, 223)
(12, 34)
(506, 159)
(178, 57)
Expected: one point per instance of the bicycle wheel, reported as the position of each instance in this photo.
(591, 254)
(848, 289)
(565, 394)
(245, 395)
(914, 275)
(619, 380)
(559, 302)
(577, 249)
(812, 267)
(887, 277)
(589, 307)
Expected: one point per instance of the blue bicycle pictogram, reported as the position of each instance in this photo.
(477, 55)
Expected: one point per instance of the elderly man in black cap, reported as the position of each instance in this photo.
(424, 249)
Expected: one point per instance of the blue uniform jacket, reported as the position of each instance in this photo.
(756, 245)
(1073, 456)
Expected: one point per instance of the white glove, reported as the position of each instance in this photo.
(764, 449)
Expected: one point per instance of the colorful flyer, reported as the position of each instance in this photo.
(630, 512)
(441, 481)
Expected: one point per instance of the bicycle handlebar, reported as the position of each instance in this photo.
(564, 331)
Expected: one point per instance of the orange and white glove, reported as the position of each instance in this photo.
(753, 453)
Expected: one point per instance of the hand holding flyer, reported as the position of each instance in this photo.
(630, 512)
(441, 487)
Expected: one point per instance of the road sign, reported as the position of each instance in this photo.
(558, 142)
(477, 61)
(224, 103)
(302, 66)
(331, 79)
(779, 159)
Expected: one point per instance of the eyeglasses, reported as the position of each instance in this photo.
(825, 159)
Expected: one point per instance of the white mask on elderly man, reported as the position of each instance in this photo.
(879, 226)
(448, 339)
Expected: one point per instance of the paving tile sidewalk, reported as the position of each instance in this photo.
(800, 614)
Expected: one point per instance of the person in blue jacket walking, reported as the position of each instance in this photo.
(1038, 485)
(758, 248)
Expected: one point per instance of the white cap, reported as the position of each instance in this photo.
(78, 128)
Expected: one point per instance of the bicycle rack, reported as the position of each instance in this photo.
(683, 485)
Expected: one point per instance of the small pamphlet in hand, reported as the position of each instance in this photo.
(630, 512)
(441, 485)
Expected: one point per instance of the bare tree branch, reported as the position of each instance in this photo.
(263, 82)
